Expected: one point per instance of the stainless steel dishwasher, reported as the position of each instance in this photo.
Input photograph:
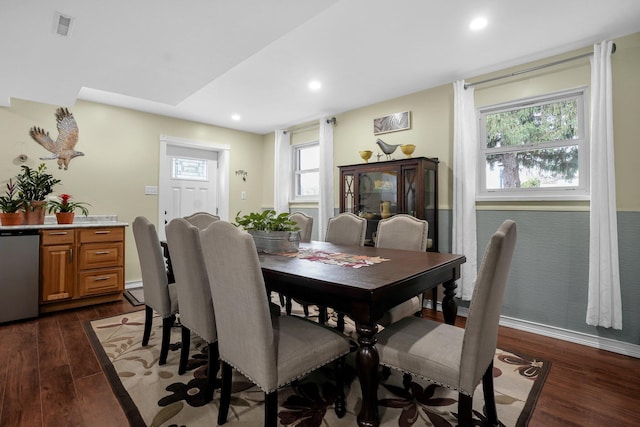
(19, 274)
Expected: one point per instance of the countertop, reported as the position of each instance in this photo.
(79, 221)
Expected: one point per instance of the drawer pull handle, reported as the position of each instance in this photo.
(103, 232)
(100, 279)
(58, 233)
(102, 252)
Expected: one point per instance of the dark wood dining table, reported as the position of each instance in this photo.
(364, 294)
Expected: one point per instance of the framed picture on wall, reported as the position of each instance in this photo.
(392, 123)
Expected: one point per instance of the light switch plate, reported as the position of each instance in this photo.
(150, 189)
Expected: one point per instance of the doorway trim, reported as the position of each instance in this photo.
(222, 179)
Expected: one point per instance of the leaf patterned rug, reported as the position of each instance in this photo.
(155, 395)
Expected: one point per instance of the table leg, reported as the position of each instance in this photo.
(449, 305)
(367, 362)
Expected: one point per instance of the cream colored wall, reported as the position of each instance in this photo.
(431, 132)
(121, 149)
(432, 121)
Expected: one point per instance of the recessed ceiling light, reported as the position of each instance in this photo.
(478, 23)
(315, 85)
(236, 117)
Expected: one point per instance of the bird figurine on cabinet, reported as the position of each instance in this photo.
(64, 147)
(387, 149)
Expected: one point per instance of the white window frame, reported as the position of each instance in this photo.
(295, 149)
(580, 192)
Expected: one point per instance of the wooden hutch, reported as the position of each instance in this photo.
(410, 185)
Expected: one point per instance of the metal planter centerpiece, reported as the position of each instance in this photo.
(276, 241)
(272, 233)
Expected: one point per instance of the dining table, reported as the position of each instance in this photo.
(362, 282)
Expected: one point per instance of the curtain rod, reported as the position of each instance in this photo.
(539, 67)
(308, 126)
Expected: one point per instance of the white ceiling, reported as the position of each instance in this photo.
(205, 60)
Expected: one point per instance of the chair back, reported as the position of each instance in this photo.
(481, 331)
(202, 219)
(192, 281)
(346, 229)
(245, 333)
(152, 266)
(305, 222)
(402, 231)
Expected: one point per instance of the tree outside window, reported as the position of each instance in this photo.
(534, 149)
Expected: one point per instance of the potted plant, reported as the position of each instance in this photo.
(65, 208)
(10, 206)
(271, 232)
(34, 185)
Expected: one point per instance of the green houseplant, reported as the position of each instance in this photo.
(271, 232)
(34, 185)
(10, 206)
(65, 208)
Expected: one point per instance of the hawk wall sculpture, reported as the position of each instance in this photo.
(64, 147)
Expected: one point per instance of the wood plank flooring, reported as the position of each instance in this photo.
(49, 376)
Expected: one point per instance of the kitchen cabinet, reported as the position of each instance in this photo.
(57, 265)
(81, 266)
(381, 189)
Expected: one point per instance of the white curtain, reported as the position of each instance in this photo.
(604, 307)
(465, 148)
(282, 171)
(325, 207)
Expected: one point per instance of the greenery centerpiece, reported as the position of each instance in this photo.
(34, 185)
(271, 232)
(10, 205)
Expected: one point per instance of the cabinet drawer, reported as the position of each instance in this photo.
(57, 237)
(100, 282)
(104, 234)
(98, 255)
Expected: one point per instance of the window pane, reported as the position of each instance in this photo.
(556, 121)
(308, 184)
(309, 158)
(547, 168)
(193, 169)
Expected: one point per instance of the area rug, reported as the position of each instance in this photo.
(135, 296)
(154, 395)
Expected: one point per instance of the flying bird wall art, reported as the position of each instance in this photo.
(64, 147)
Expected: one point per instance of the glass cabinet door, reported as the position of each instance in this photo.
(378, 194)
(348, 192)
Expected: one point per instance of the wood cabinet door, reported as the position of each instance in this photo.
(58, 272)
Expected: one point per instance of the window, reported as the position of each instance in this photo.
(535, 149)
(192, 169)
(306, 171)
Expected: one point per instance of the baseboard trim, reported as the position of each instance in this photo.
(134, 284)
(608, 344)
(582, 338)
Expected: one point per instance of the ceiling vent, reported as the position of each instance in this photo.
(62, 24)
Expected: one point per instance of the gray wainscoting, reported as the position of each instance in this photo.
(548, 283)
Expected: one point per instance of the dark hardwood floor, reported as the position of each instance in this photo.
(49, 376)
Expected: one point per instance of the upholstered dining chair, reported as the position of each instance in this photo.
(159, 295)
(346, 228)
(271, 352)
(194, 294)
(202, 219)
(409, 233)
(305, 223)
(448, 355)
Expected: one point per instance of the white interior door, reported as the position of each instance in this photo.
(192, 179)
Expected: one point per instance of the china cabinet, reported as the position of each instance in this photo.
(382, 189)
